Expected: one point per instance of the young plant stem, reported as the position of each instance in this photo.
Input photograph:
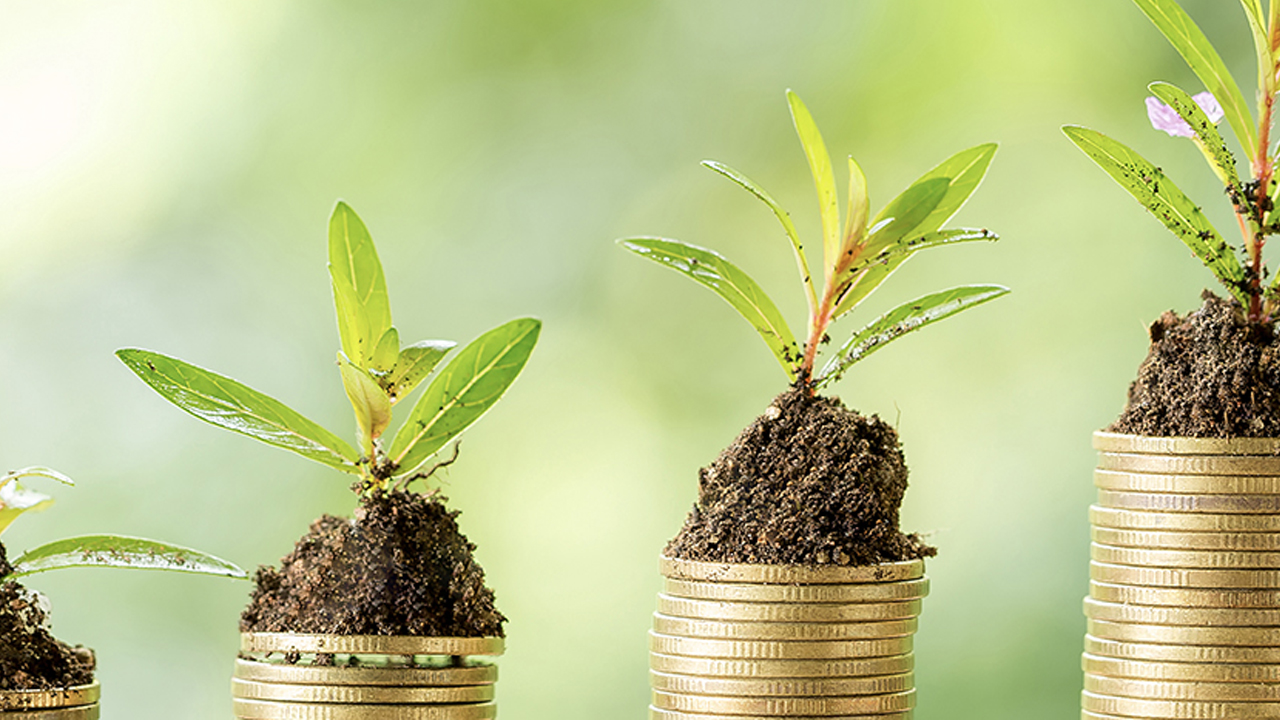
(1263, 170)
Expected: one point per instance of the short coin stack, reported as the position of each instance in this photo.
(1184, 598)
(373, 678)
(783, 641)
(73, 703)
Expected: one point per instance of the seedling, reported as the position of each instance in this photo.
(856, 260)
(1179, 114)
(92, 550)
(377, 374)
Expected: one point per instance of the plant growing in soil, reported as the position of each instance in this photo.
(1214, 372)
(810, 481)
(30, 657)
(401, 566)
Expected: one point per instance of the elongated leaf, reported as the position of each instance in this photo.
(1164, 200)
(468, 386)
(855, 225)
(729, 282)
(965, 170)
(232, 405)
(824, 180)
(16, 500)
(386, 352)
(783, 216)
(359, 288)
(914, 244)
(368, 400)
(904, 319)
(1186, 37)
(123, 552)
(1220, 158)
(35, 471)
(414, 365)
(1261, 46)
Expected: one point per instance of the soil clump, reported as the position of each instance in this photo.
(1208, 374)
(809, 482)
(400, 567)
(30, 657)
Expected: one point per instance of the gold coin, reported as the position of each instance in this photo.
(783, 687)
(1191, 709)
(790, 574)
(786, 612)
(1191, 464)
(1187, 597)
(42, 699)
(667, 625)
(360, 694)
(1185, 635)
(777, 649)
(267, 710)
(734, 668)
(1158, 615)
(1187, 484)
(660, 714)
(1183, 577)
(1170, 690)
(80, 712)
(787, 707)
(1121, 519)
(1181, 653)
(1239, 542)
(1181, 671)
(1182, 503)
(735, 592)
(369, 644)
(1203, 559)
(1148, 445)
(404, 676)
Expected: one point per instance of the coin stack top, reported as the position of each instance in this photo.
(73, 703)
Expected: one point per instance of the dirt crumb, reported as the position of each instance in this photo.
(31, 658)
(400, 567)
(808, 482)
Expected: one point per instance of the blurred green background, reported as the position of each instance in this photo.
(167, 171)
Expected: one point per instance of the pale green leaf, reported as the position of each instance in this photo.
(232, 405)
(905, 215)
(1262, 48)
(965, 171)
(824, 180)
(359, 288)
(369, 401)
(1162, 198)
(414, 365)
(1186, 37)
(1221, 161)
(783, 216)
(855, 226)
(386, 352)
(35, 471)
(16, 500)
(729, 282)
(907, 246)
(122, 552)
(902, 320)
(467, 387)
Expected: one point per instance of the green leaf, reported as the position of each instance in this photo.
(35, 471)
(415, 364)
(965, 171)
(729, 282)
(386, 352)
(232, 405)
(1163, 199)
(370, 402)
(855, 226)
(359, 288)
(123, 552)
(904, 319)
(16, 500)
(904, 247)
(783, 217)
(1220, 158)
(905, 214)
(1262, 48)
(468, 386)
(1185, 36)
(824, 180)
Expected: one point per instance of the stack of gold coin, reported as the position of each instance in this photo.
(286, 676)
(785, 641)
(1184, 598)
(73, 703)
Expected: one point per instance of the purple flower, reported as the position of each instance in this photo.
(1165, 118)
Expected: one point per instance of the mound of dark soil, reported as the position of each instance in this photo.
(808, 482)
(1209, 374)
(30, 657)
(399, 568)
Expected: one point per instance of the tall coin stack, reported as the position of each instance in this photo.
(1184, 598)
(73, 703)
(782, 641)
(370, 677)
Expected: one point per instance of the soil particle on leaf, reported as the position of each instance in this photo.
(400, 567)
(1208, 374)
(809, 482)
(30, 657)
